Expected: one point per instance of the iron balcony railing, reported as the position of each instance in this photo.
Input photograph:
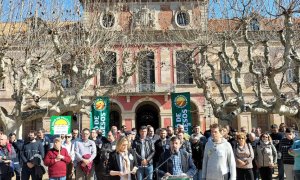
(130, 88)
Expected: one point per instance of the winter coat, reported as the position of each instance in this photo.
(265, 154)
(58, 168)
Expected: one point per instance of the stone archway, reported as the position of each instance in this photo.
(147, 113)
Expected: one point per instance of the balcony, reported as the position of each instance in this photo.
(148, 88)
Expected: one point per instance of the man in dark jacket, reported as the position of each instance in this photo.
(161, 145)
(144, 151)
(176, 161)
(18, 145)
(30, 150)
(276, 137)
(284, 145)
(197, 155)
(101, 160)
(7, 154)
(43, 139)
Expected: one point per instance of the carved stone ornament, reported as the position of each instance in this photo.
(143, 18)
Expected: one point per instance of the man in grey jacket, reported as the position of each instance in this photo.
(218, 158)
(85, 152)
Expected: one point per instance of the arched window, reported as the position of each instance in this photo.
(108, 71)
(146, 71)
(183, 66)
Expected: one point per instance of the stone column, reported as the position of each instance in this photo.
(128, 119)
(276, 119)
(244, 120)
(165, 120)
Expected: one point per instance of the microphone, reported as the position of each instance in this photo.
(156, 169)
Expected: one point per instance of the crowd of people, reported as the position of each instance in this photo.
(217, 154)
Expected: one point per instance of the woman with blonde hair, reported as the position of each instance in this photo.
(244, 155)
(122, 162)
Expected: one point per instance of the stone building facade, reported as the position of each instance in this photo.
(146, 98)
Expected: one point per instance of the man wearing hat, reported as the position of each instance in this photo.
(57, 159)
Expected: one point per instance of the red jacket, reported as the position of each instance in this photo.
(59, 168)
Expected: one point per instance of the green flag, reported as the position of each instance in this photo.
(181, 110)
(100, 114)
(60, 125)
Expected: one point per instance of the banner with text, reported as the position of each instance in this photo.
(60, 125)
(100, 114)
(181, 110)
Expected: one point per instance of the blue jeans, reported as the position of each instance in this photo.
(17, 170)
(198, 175)
(144, 172)
(58, 178)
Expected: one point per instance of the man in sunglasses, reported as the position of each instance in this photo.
(67, 144)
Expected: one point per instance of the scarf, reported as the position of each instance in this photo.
(126, 164)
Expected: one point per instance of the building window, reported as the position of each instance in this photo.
(225, 78)
(182, 18)
(292, 75)
(66, 73)
(146, 71)
(254, 25)
(108, 71)
(108, 20)
(2, 84)
(183, 66)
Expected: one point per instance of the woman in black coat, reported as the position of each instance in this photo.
(122, 163)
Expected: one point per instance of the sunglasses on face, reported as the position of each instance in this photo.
(68, 136)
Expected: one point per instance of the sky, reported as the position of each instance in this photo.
(52, 10)
(71, 10)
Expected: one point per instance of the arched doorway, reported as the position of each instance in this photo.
(147, 114)
(75, 122)
(115, 116)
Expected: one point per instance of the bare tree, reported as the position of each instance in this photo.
(249, 61)
(50, 53)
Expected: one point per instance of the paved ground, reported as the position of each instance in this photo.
(45, 177)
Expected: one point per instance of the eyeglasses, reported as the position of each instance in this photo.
(240, 138)
(62, 137)
(68, 136)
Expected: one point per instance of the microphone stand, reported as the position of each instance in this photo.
(156, 169)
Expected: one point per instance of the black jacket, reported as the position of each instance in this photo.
(114, 163)
(197, 154)
(187, 165)
(160, 148)
(18, 145)
(103, 156)
(30, 149)
(46, 143)
(149, 150)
